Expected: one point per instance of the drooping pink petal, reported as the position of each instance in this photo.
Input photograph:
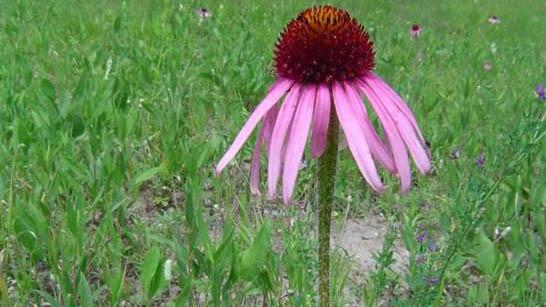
(274, 95)
(321, 120)
(297, 140)
(355, 138)
(378, 149)
(282, 124)
(385, 89)
(269, 124)
(393, 136)
(264, 137)
(255, 166)
(416, 148)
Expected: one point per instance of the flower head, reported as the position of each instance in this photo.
(317, 45)
(433, 281)
(487, 66)
(493, 20)
(421, 237)
(539, 91)
(415, 31)
(203, 13)
(480, 160)
(431, 245)
(324, 61)
(455, 153)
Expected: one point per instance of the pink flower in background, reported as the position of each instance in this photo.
(493, 20)
(324, 61)
(487, 66)
(415, 31)
(203, 13)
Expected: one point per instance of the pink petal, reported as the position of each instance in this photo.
(255, 166)
(416, 148)
(276, 93)
(384, 89)
(296, 143)
(378, 149)
(355, 138)
(263, 137)
(269, 124)
(321, 120)
(286, 114)
(394, 138)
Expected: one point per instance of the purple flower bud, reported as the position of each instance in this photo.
(456, 153)
(433, 280)
(421, 237)
(432, 245)
(480, 160)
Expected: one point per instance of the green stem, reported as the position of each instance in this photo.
(327, 178)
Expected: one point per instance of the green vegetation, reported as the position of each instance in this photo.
(113, 113)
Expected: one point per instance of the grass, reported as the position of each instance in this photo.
(112, 115)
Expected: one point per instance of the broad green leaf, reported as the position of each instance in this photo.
(115, 284)
(145, 176)
(86, 298)
(151, 273)
(47, 90)
(486, 258)
(254, 257)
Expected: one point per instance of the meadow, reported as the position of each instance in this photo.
(114, 113)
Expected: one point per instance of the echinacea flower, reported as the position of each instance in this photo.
(493, 20)
(324, 64)
(539, 91)
(203, 13)
(415, 31)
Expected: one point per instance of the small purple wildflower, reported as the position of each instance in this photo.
(480, 160)
(539, 90)
(432, 245)
(456, 153)
(433, 280)
(487, 66)
(421, 237)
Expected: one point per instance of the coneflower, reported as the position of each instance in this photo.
(415, 31)
(324, 63)
(203, 13)
(494, 20)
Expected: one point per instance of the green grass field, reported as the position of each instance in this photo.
(113, 114)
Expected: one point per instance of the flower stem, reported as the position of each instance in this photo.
(327, 178)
